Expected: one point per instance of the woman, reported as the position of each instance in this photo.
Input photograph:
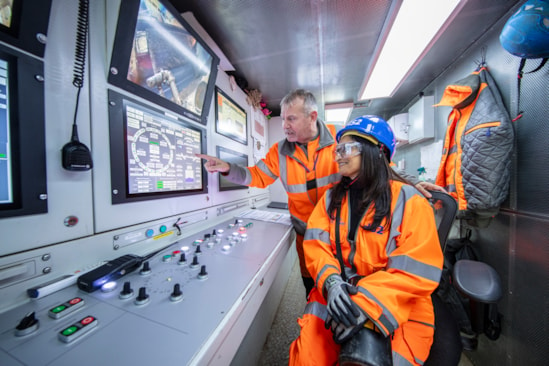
(389, 249)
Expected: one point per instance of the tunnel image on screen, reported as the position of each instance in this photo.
(160, 153)
(6, 193)
(166, 59)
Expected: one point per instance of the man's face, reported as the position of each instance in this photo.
(298, 126)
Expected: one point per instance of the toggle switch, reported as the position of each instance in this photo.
(27, 325)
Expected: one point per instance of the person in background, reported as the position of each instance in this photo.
(303, 161)
(372, 248)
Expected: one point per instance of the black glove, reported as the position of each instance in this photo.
(341, 333)
(340, 306)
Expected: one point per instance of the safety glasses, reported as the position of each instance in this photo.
(347, 150)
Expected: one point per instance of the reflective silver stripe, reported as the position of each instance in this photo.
(316, 309)
(399, 360)
(265, 169)
(396, 220)
(453, 149)
(318, 234)
(324, 181)
(386, 319)
(296, 188)
(410, 265)
(282, 166)
(324, 269)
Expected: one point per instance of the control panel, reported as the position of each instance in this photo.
(177, 306)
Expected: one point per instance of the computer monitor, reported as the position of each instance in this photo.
(230, 119)
(152, 152)
(23, 183)
(159, 57)
(24, 24)
(231, 157)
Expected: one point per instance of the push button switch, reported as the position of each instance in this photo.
(66, 308)
(78, 329)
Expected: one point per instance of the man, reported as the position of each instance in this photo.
(304, 162)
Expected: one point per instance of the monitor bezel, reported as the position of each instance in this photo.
(121, 52)
(229, 134)
(29, 28)
(119, 157)
(218, 150)
(27, 134)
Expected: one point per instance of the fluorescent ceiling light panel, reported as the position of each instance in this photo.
(415, 28)
(337, 113)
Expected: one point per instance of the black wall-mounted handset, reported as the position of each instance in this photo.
(76, 155)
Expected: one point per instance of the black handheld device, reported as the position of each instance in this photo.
(110, 271)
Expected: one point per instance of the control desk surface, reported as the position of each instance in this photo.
(176, 308)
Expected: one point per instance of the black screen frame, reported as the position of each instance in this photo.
(27, 134)
(119, 157)
(222, 180)
(30, 18)
(121, 53)
(218, 129)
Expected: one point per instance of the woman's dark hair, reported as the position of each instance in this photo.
(373, 181)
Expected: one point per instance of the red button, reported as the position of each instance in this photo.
(87, 320)
(76, 300)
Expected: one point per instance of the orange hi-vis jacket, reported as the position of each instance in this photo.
(476, 157)
(305, 176)
(396, 267)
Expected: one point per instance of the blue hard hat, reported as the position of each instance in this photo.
(371, 126)
(526, 33)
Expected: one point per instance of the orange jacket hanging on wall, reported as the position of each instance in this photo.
(476, 157)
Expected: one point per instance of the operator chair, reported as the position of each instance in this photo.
(447, 347)
(475, 280)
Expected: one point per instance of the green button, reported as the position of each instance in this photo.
(163, 228)
(69, 331)
(58, 309)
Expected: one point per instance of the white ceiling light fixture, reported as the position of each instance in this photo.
(337, 113)
(416, 27)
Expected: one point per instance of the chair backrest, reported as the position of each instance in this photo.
(446, 208)
(447, 347)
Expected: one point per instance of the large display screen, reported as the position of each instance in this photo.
(158, 153)
(158, 56)
(231, 157)
(6, 183)
(23, 186)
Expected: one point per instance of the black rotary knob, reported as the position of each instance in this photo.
(146, 269)
(182, 259)
(202, 275)
(177, 294)
(126, 291)
(142, 298)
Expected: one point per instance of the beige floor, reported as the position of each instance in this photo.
(285, 329)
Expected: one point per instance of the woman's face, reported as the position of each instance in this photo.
(350, 158)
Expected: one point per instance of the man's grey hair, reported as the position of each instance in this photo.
(309, 100)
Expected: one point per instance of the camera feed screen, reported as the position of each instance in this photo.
(6, 12)
(6, 183)
(160, 153)
(167, 60)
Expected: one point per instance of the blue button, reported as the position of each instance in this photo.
(163, 228)
(149, 233)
